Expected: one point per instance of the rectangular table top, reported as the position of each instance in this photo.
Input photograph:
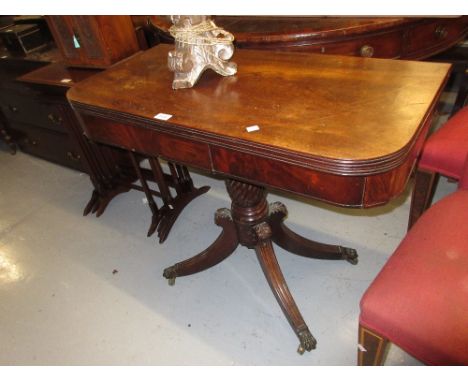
(331, 107)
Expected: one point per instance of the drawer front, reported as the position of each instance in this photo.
(336, 189)
(425, 39)
(47, 144)
(381, 45)
(147, 141)
(19, 108)
(386, 45)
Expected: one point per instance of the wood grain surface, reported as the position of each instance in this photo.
(340, 108)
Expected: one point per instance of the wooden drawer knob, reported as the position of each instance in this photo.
(366, 51)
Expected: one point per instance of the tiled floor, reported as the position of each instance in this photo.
(63, 303)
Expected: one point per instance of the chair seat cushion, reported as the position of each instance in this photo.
(445, 151)
(419, 300)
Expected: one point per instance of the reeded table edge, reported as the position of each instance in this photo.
(342, 167)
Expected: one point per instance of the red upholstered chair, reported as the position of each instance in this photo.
(419, 300)
(443, 153)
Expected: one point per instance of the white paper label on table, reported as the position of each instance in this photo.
(162, 116)
(252, 128)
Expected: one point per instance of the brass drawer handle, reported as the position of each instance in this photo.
(441, 32)
(73, 157)
(56, 120)
(366, 51)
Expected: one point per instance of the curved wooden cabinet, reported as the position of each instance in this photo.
(382, 37)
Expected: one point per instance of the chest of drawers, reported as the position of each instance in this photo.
(37, 116)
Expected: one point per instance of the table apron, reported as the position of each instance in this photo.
(349, 191)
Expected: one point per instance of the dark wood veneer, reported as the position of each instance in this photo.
(147, 141)
(288, 177)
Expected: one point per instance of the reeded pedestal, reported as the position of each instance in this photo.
(255, 224)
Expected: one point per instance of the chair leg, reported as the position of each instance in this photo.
(372, 347)
(423, 191)
(462, 90)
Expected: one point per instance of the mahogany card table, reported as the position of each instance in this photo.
(344, 130)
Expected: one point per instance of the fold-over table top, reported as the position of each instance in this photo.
(342, 110)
